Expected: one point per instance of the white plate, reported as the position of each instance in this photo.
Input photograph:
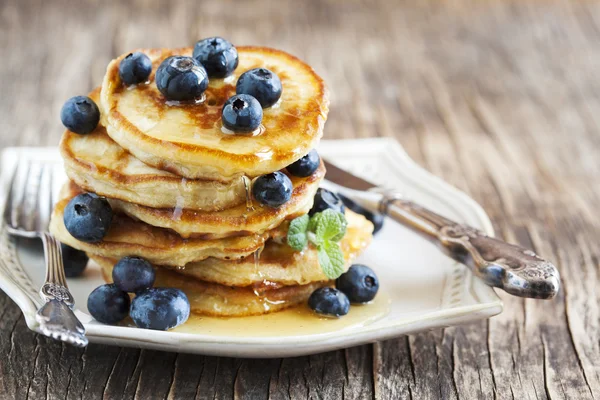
(427, 289)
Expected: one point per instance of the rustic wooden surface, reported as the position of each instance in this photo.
(501, 99)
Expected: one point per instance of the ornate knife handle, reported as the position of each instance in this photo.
(512, 268)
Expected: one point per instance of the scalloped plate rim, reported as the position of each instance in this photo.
(489, 305)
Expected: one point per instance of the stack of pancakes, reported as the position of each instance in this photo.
(179, 186)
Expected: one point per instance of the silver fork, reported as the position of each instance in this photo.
(27, 214)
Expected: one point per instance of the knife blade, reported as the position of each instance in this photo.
(346, 179)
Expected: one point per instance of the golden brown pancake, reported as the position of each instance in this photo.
(188, 139)
(280, 264)
(224, 301)
(235, 221)
(98, 164)
(127, 237)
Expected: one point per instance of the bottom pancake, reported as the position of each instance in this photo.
(224, 301)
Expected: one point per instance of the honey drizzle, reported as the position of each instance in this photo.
(263, 282)
(248, 188)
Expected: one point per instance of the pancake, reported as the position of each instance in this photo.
(127, 237)
(188, 139)
(235, 221)
(279, 264)
(98, 164)
(224, 301)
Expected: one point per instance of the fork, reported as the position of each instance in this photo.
(26, 214)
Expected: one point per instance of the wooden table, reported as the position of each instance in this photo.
(501, 99)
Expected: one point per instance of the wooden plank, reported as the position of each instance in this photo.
(499, 98)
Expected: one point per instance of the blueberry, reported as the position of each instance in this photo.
(329, 301)
(217, 55)
(87, 217)
(375, 217)
(242, 113)
(306, 165)
(272, 189)
(261, 83)
(108, 304)
(359, 283)
(80, 114)
(74, 260)
(135, 68)
(160, 308)
(133, 274)
(325, 199)
(181, 78)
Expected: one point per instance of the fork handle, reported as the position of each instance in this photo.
(55, 287)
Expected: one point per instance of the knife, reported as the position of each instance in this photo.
(510, 267)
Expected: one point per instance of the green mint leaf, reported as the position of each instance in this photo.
(314, 221)
(331, 259)
(314, 239)
(330, 226)
(296, 236)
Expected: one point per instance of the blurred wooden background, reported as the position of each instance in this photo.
(499, 98)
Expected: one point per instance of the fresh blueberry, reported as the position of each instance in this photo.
(272, 189)
(160, 308)
(325, 199)
(242, 113)
(74, 260)
(87, 217)
(217, 55)
(135, 68)
(133, 274)
(181, 78)
(262, 84)
(80, 114)
(108, 304)
(329, 301)
(306, 165)
(375, 217)
(359, 283)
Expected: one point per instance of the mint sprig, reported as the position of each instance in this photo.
(324, 230)
(296, 236)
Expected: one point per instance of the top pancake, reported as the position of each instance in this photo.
(188, 139)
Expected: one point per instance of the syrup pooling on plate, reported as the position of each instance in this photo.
(295, 321)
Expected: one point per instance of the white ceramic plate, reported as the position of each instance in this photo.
(427, 290)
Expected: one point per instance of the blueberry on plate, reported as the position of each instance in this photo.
(87, 217)
(325, 199)
(74, 260)
(273, 189)
(181, 78)
(133, 274)
(329, 301)
(160, 308)
(217, 55)
(262, 84)
(306, 165)
(241, 113)
(80, 115)
(108, 304)
(359, 283)
(135, 68)
(375, 217)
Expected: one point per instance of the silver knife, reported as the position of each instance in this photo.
(514, 269)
